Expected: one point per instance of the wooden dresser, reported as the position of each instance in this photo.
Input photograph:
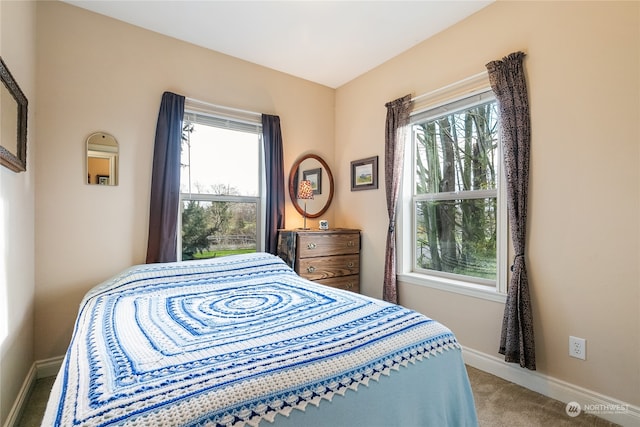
(330, 257)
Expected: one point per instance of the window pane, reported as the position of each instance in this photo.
(457, 152)
(214, 229)
(219, 161)
(457, 236)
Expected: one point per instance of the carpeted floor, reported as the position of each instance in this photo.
(498, 402)
(34, 408)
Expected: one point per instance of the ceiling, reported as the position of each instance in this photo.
(327, 42)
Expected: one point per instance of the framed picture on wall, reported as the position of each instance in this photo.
(364, 174)
(315, 176)
(13, 122)
(102, 179)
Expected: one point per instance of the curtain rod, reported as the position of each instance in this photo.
(221, 107)
(465, 81)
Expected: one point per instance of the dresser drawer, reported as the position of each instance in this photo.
(329, 257)
(327, 244)
(349, 283)
(327, 267)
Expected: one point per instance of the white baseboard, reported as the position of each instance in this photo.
(597, 404)
(40, 369)
(48, 367)
(23, 395)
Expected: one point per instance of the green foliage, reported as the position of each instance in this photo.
(223, 252)
(215, 227)
(457, 153)
(212, 227)
(195, 229)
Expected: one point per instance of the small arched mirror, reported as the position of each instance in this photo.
(102, 159)
(313, 168)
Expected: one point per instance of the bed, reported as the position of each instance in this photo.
(244, 341)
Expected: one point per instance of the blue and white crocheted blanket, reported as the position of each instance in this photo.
(226, 342)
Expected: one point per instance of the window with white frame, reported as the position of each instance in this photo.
(457, 232)
(221, 186)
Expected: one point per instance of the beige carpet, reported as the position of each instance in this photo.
(35, 405)
(498, 403)
(501, 403)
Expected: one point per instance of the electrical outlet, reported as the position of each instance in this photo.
(578, 348)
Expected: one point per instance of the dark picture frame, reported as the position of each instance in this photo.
(364, 174)
(13, 156)
(315, 176)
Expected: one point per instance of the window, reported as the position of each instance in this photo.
(456, 207)
(220, 187)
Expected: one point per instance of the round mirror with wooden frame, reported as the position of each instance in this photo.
(313, 168)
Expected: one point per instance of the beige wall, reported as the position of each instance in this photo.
(583, 255)
(99, 74)
(17, 48)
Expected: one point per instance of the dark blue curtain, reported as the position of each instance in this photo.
(274, 168)
(165, 181)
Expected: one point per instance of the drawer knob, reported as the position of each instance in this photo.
(311, 269)
(350, 264)
(311, 245)
(350, 243)
(349, 285)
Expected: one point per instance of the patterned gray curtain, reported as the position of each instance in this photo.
(274, 165)
(396, 124)
(508, 83)
(165, 181)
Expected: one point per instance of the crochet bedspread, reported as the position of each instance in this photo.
(227, 342)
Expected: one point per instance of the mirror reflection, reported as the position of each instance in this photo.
(311, 168)
(102, 159)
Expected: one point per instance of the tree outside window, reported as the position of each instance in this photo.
(220, 188)
(455, 194)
